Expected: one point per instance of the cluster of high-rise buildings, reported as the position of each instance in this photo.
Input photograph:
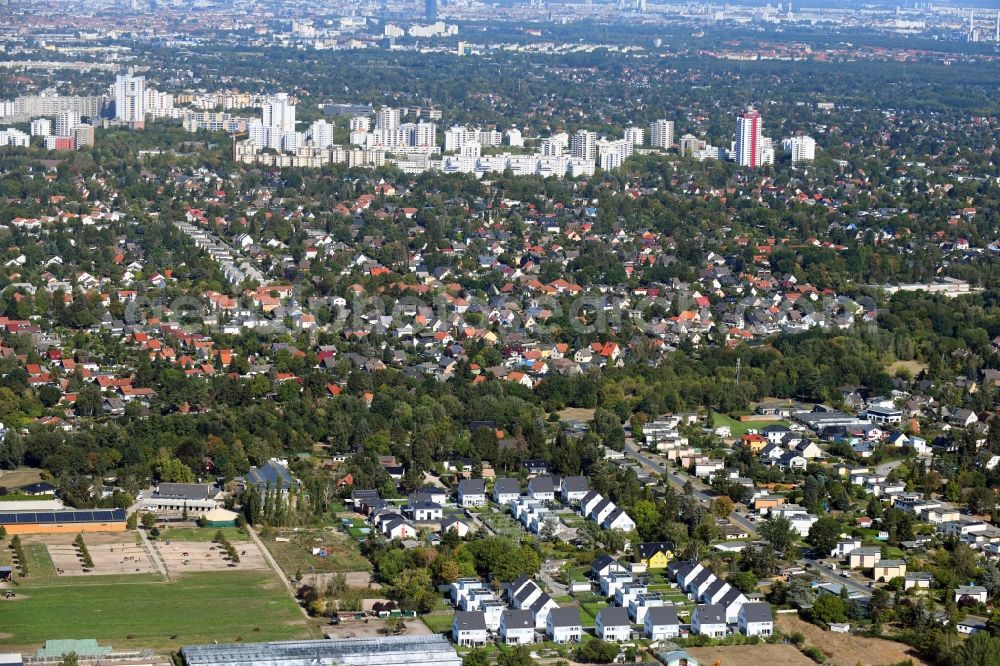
(381, 136)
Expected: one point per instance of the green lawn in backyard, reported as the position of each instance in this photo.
(739, 428)
(438, 622)
(193, 608)
(296, 554)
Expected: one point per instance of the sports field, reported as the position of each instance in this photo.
(143, 611)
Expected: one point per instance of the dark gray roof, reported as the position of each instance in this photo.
(613, 616)
(565, 617)
(711, 614)
(541, 484)
(576, 484)
(602, 561)
(703, 576)
(759, 612)
(526, 592)
(715, 588)
(661, 615)
(471, 487)
(272, 474)
(518, 619)
(507, 486)
(191, 491)
(650, 548)
(540, 602)
(470, 620)
(731, 597)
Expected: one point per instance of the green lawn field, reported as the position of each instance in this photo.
(144, 611)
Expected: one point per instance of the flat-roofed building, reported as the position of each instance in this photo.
(433, 650)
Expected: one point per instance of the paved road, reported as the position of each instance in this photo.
(831, 576)
(680, 481)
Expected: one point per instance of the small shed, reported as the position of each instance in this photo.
(220, 518)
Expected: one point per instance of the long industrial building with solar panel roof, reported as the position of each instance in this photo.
(63, 521)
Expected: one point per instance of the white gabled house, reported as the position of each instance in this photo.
(709, 620)
(661, 623)
(756, 620)
(468, 629)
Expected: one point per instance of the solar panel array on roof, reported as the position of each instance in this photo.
(67, 516)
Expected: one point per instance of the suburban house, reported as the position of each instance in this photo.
(756, 620)
(920, 580)
(639, 605)
(709, 620)
(886, 570)
(574, 488)
(425, 511)
(619, 520)
(471, 492)
(397, 527)
(613, 624)
(469, 628)
(564, 625)
(506, 490)
(604, 565)
(655, 554)
(661, 623)
(459, 526)
(974, 592)
(864, 558)
(844, 547)
(517, 627)
(542, 488)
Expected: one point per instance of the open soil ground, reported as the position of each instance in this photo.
(752, 655)
(585, 414)
(144, 611)
(184, 556)
(845, 649)
(110, 557)
(373, 627)
(22, 476)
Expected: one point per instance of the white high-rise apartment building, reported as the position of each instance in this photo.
(279, 112)
(14, 137)
(802, 148)
(455, 138)
(41, 127)
(634, 135)
(159, 104)
(661, 133)
(749, 138)
(66, 121)
(514, 138)
(321, 133)
(614, 153)
(361, 124)
(552, 147)
(130, 98)
(584, 145)
(388, 118)
(425, 135)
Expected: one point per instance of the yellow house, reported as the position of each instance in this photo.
(655, 554)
